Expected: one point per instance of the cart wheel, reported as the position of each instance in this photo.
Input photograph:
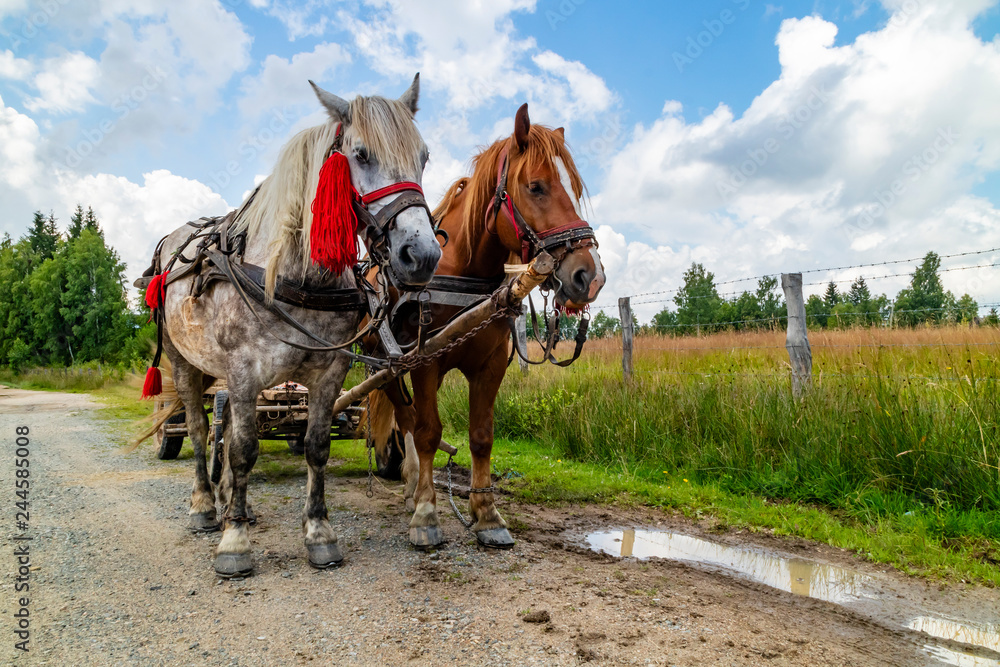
(169, 447)
(390, 466)
(297, 445)
(215, 462)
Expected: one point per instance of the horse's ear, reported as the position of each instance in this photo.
(412, 95)
(522, 125)
(561, 131)
(338, 108)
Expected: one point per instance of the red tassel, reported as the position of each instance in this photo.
(333, 237)
(153, 385)
(156, 291)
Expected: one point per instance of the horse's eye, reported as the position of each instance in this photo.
(362, 155)
(536, 188)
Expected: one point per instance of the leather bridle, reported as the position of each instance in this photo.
(558, 242)
(374, 228)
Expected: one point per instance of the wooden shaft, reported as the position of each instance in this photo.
(535, 275)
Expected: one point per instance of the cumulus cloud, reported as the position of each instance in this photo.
(855, 154)
(301, 19)
(64, 83)
(12, 67)
(472, 52)
(283, 82)
(136, 216)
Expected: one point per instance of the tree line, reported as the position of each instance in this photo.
(64, 301)
(698, 307)
(63, 297)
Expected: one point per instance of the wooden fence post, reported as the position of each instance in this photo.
(522, 338)
(797, 338)
(625, 311)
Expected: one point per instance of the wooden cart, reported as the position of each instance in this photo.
(282, 414)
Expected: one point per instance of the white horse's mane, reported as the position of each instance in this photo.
(280, 216)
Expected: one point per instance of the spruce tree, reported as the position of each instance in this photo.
(90, 222)
(43, 235)
(76, 223)
(832, 296)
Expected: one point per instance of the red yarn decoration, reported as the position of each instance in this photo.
(153, 384)
(333, 237)
(156, 291)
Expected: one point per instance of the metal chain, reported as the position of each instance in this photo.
(409, 363)
(451, 499)
(369, 442)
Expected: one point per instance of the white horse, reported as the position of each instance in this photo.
(213, 332)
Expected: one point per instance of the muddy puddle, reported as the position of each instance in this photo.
(871, 595)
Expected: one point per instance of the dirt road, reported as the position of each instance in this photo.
(115, 578)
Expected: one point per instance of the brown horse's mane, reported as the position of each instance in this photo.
(544, 145)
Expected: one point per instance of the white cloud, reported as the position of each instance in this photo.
(855, 154)
(12, 7)
(301, 19)
(282, 82)
(19, 168)
(12, 67)
(64, 83)
(135, 217)
(472, 52)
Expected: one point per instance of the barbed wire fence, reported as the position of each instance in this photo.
(795, 322)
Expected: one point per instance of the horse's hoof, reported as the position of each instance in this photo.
(426, 536)
(203, 522)
(410, 505)
(495, 538)
(324, 556)
(229, 565)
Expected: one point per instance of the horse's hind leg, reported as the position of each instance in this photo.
(232, 556)
(190, 383)
(489, 527)
(320, 538)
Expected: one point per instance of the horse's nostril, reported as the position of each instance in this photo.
(406, 255)
(580, 281)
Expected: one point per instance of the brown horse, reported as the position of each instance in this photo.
(523, 197)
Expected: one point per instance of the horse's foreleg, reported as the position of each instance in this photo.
(320, 538)
(425, 528)
(411, 471)
(490, 528)
(232, 557)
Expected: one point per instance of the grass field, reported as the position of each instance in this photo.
(893, 454)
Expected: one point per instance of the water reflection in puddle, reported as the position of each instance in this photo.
(795, 575)
(987, 636)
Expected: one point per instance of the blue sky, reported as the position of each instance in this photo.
(136, 108)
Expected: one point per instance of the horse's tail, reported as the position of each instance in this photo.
(382, 418)
(449, 198)
(171, 406)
